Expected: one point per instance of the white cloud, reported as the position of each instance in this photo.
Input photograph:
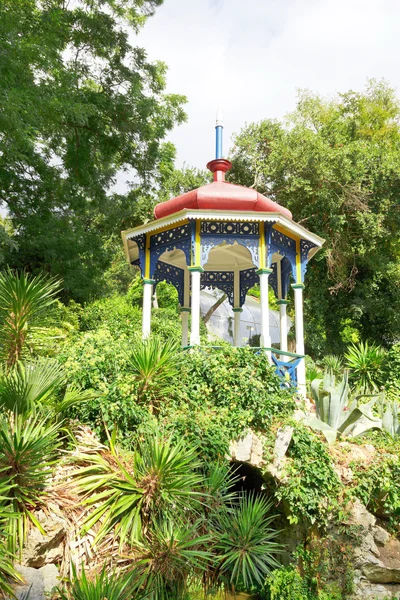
(251, 56)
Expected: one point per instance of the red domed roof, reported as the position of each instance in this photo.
(220, 195)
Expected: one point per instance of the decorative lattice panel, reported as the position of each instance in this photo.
(222, 280)
(173, 275)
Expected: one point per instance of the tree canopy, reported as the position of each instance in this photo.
(79, 104)
(336, 165)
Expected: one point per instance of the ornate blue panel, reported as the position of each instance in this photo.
(245, 233)
(281, 243)
(223, 280)
(178, 238)
(305, 247)
(287, 371)
(229, 228)
(141, 242)
(165, 238)
(286, 270)
(248, 278)
(208, 242)
(173, 275)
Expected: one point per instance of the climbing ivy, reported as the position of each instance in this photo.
(310, 485)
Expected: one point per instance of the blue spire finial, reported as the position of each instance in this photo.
(218, 134)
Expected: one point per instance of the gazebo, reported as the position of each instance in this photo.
(228, 237)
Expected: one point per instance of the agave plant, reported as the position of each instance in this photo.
(126, 491)
(336, 413)
(389, 411)
(102, 587)
(155, 365)
(170, 561)
(246, 545)
(28, 449)
(23, 298)
(366, 364)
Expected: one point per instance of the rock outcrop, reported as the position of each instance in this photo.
(48, 547)
(38, 582)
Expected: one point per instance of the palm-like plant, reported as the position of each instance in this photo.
(333, 364)
(155, 365)
(8, 574)
(365, 363)
(127, 491)
(28, 448)
(36, 384)
(167, 563)
(23, 298)
(246, 544)
(103, 586)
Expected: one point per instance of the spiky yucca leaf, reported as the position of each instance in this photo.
(365, 362)
(23, 298)
(173, 558)
(155, 364)
(333, 364)
(245, 542)
(8, 574)
(28, 449)
(126, 491)
(103, 586)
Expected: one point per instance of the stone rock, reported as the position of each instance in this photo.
(248, 449)
(359, 515)
(374, 591)
(283, 439)
(381, 536)
(45, 549)
(50, 577)
(34, 584)
(378, 573)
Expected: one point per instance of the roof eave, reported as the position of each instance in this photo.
(186, 214)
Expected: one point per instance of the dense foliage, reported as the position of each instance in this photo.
(80, 106)
(336, 165)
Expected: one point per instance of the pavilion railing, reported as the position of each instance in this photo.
(285, 369)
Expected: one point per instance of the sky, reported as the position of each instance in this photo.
(252, 56)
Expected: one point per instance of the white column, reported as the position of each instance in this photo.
(299, 324)
(195, 273)
(283, 327)
(147, 299)
(265, 340)
(237, 341)
(185, 325)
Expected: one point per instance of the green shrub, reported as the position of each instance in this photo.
(116, 314)
(212, 395)
(99, 360)
(377, 484)
(221, 394)
(286, 583)
(392, 371)
(310, 486)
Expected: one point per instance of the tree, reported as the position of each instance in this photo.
(336, 165)
(79, 104)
